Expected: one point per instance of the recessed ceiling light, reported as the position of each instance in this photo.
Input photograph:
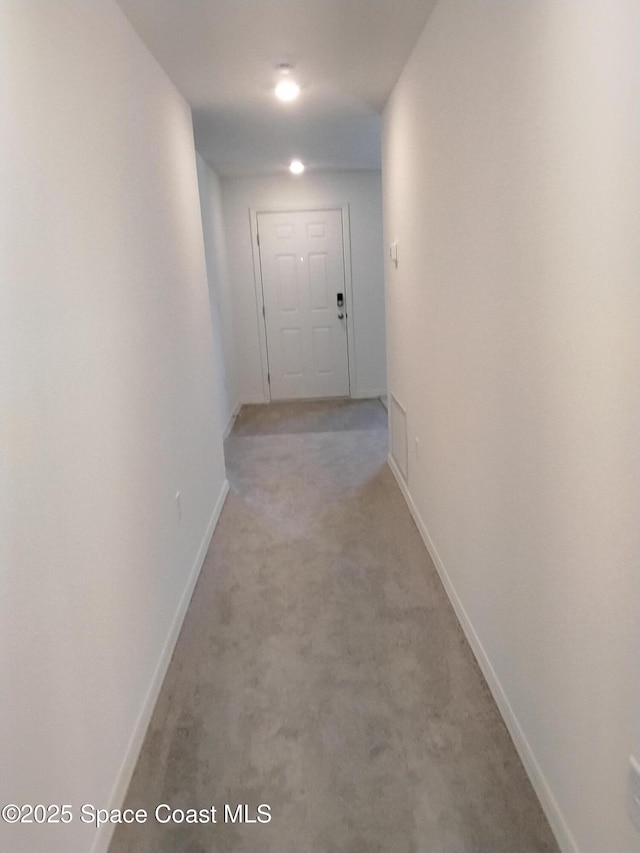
(296, 167)
(287, 90)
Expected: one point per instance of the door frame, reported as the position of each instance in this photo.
(257, 281)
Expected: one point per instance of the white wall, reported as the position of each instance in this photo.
(107, 403)
(512, 183)
(220, 296)
(362, 191)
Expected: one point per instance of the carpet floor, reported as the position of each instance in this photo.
(321, 670)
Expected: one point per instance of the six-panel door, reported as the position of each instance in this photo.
(302, 266)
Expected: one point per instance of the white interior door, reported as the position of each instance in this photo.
(303, 284)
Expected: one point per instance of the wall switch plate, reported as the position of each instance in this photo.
(393, 254)
(633, 791)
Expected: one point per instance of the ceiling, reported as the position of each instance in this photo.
(222, 55)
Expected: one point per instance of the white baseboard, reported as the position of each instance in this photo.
(105, 833)
(232, 419)
(254, 401)
(540, 784)
(368, 393)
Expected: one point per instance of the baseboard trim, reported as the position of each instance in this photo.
(232, 419)
(540, 784)
(368, 393)
(105, 833)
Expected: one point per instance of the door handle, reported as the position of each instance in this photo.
(340, 316)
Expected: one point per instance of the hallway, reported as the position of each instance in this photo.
(321, 670)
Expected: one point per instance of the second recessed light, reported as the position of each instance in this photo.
(287, 90)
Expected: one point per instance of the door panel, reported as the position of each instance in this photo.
(293, 363)
(323, 360)
(302, 265)
(319, 282)
(287, 275)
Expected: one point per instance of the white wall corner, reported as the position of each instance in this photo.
(235, 411)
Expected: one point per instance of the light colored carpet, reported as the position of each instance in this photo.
(322, 671)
